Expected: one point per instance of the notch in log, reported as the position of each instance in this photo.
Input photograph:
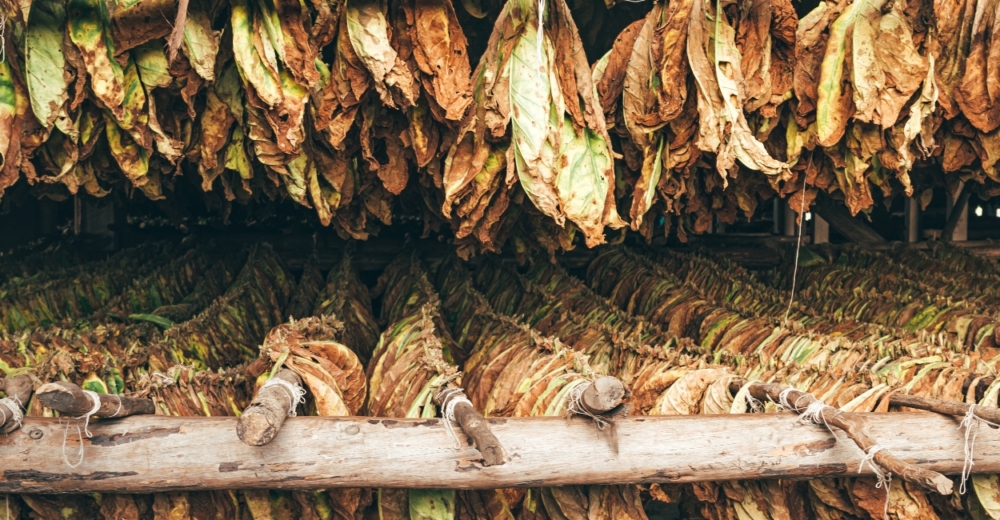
(856, 429)
(17, 389)
(474, 426)
(263, 418)
(70, 400)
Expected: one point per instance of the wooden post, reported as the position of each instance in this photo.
(474, 425)
(69, 399)
(821, 230)
(17, 389)
(912, 216)
(263, 418)
(856, 430)
(155, 453)
(956, 229)
(852, 228)
(790, 226)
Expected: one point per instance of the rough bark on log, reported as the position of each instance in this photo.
(17, 389)
(152, 453)
(70, 400)
(263, 418)
(986, 413)
(855, 427)
(475, 426)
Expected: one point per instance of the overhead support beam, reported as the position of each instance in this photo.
(821, 230)
(143, 454)
(956, 228)
(851, 227)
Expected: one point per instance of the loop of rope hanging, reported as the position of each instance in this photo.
(452, 397)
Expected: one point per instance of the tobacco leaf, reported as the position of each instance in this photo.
(536, 117)
(45, 63)
(978, 94)
(886, 68)
(89, 31)
(611, 80)
(201, 43)
(811, 40)
(639, 96)
(834, 95)
(441, 51)
(258, 71)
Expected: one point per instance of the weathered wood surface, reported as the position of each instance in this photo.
(156, 453)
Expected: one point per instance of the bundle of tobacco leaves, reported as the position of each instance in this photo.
(540, 133)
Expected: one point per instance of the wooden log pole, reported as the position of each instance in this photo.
(18, 390)
(474, 425)
(855, 427)
(987, 413)
(153, 453)
(603, 395)
(70, 400)
(263, 418)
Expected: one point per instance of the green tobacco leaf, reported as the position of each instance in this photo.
(45, 61)
(90, 30)
(583, 180)
(159, 321)
(154, 70)
(536, 113)
(8, 109)
(131, 158)
(432, 504)
(832, 104)
(252, 67)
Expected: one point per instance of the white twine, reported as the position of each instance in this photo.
(884, 477)
(798, 247)
(3, 38)
(452, 396)
(295, 392)
(96, 399)
(970, 420)
(814, 413)
(14, 405)
(756, 405)
(575, 405)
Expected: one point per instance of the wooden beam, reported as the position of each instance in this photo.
(851, 227)
(144, 454)
(912, 223)
(957, 226)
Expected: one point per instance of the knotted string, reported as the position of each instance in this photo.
(575, 405)
(96, 399)
(14, 405)
(970, 420)
(452, 396)
(296, 393)
(884, 477)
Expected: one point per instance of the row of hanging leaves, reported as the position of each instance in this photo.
(698, 110)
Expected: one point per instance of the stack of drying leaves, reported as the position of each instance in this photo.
(871, 287)
(514, 370)
(698, 109)
(346, 298)
(851, 375)
(411, 362)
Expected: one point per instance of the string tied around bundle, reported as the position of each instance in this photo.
(13, 405)
(450, 399)
(971, 423)
(884, 477)
(296, 394)
(575, 406)
(95, 398)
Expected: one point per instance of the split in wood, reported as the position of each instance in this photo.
(473, 424)
(17, 389)
(263, 418)
(71, 400)
(855, 427)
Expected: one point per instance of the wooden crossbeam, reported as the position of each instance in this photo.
(157, 453)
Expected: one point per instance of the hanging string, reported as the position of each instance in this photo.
(95, 398)
(798, 247)
(541, 28)
(971, 424)
(884, 478)
(452, 397)
(296, 393)
(3, 38)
